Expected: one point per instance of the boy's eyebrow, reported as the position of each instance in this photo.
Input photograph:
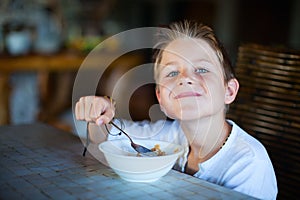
(191, 62)
(170, 63)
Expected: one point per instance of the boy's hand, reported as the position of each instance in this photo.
(99, 110)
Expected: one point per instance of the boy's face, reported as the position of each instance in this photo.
(191, 81)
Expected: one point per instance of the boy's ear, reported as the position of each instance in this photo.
(231, 90)
(157, 94)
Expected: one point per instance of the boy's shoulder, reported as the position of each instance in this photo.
(246, 143)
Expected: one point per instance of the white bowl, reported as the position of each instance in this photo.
(130, 167)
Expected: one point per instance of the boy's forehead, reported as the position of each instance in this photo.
(189, 49)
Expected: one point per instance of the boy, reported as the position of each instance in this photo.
(195, 84)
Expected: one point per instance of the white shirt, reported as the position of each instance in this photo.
(242, 164)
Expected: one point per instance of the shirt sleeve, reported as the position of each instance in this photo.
(256, 180)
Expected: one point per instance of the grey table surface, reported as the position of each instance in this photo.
(41, 162)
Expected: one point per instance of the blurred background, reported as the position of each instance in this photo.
(30, 28)
(44, 42)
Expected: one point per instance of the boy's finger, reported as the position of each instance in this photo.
(87, 109)
(79, 111)
(106, 117)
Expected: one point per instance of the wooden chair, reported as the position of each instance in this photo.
(268, 106)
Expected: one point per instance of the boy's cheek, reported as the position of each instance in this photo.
(161, 94)
(166, 85)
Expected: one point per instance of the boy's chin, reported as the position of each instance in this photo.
(188, 116)
(187, 113)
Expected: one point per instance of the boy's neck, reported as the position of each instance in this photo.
(206, 136)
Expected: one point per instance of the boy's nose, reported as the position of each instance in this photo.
(185, 80)
(182, 83)
(186, 76)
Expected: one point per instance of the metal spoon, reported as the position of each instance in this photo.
(139, 148)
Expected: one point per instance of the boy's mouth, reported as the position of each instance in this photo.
(187, 94)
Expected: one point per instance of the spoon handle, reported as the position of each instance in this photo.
(121, 130)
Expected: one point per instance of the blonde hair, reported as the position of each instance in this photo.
(194, 30)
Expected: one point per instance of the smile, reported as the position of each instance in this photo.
(187, 94)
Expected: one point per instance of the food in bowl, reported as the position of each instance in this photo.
(155, 151)
(123, 159)
(158, 151)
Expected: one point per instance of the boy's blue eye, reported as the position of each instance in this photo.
(201, 70)
(173, 73)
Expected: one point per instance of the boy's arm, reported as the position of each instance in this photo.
(97, 134)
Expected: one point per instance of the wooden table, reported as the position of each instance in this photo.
(41, 162)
